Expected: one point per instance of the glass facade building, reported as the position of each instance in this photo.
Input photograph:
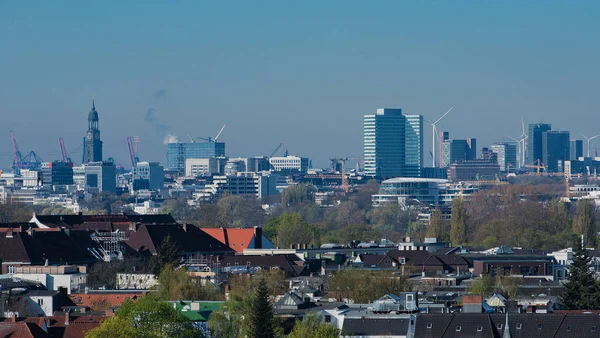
(393, 144)
(576, 150)
(555, 150)
(506, 155)
(177, 153)
(534, 142)
(458, 150)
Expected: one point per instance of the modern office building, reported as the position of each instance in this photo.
(472, 170)
(424, 191)
(506, 155)
(289, 163)
(92, 144)
(100, 177)
(576, 150)
(261, 185)
(201, 167)
(393, 144)
(179, 152)
(555, 150)
(57, 173)
(150, 174)
(534, 142)
(458, 150)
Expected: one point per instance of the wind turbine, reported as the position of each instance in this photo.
(588, 139)
(521, 142)
(434, 136)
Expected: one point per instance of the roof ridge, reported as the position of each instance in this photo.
(559, 325)
(448, 325)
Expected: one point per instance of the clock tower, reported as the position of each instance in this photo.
(92, 143)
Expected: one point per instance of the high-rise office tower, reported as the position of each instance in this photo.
(178, 152)
(413, 137)
(92, 144)
(576, 150)
(555, 149)
(393, 144)
(506, 153)
(534, 142)
(457, 150)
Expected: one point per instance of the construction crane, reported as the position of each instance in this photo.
(132, 157)
(63, 150)
(345, 185)
(208, 139)
(29, 161)
(276, 149)
(538, 166)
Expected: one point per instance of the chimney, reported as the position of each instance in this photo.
(13, 317)
(258, 238)
(9, 233)
(67, 318)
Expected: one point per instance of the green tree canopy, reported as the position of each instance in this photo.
(313, 327)
(581, 290)
(146, 318)
(168, 253)
(458, 227)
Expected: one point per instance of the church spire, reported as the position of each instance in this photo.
(93, 103)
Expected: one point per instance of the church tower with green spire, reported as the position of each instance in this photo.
(92, 143)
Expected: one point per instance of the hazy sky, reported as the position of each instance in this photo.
(302, 72)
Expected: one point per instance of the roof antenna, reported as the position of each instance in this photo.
(93, 103)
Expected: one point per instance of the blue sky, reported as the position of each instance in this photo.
(299, 72)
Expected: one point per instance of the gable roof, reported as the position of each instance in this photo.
(469, 325)
(416, 257)
(236, 239)
(287, 263)
(189, 238)
(384, 261)
(21, 330)
(430, 325)
(103, 299)
(375, 327)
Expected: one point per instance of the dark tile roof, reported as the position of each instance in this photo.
(469, 325)
(287, 263)
(375, 327)
(384, 261)
(578, 325)
(452, 260)
(190, 239)
(415, 257)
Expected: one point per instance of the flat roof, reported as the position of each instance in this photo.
(415, 180)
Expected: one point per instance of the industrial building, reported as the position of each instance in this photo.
(393, 144)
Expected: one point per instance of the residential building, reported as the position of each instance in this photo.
(100, 177)
(458, 150)
(57, 173)
(240, 239)
(92, 144)
(179, 152)
(71, 277)
(506, 155)
(535, 143)
(555, 150)
(152, 173)
(473, 170)
(393, 144)
(289, 163)
(575, 149)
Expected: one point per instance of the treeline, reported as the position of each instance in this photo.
(532, 217)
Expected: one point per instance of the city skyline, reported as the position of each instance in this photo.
(308, 83)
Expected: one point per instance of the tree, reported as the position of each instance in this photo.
(313, 327)
(261, 316)
(365, 286)
(458, 229)
(289, 228)
(231, 320)
(168, 253)
(583, 222)
(437, 227)
(482, 286)
(147, 317)
(176, 284)
(239, 211)
(581, 290)
(297, 194)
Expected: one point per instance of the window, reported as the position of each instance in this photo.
(40, 302)
(519, 326)
(540, 326)
(499, 326)
(479, 328)
(11, 269)
(458, 328)
(568, 328)
(429, 325)
(327, 318)
(593, 329)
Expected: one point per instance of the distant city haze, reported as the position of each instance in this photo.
(302, 73)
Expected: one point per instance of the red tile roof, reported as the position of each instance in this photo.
(103, 300)
(236, 239)
(21, 330)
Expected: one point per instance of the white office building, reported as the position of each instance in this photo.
(289, 163)
(201, 167)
